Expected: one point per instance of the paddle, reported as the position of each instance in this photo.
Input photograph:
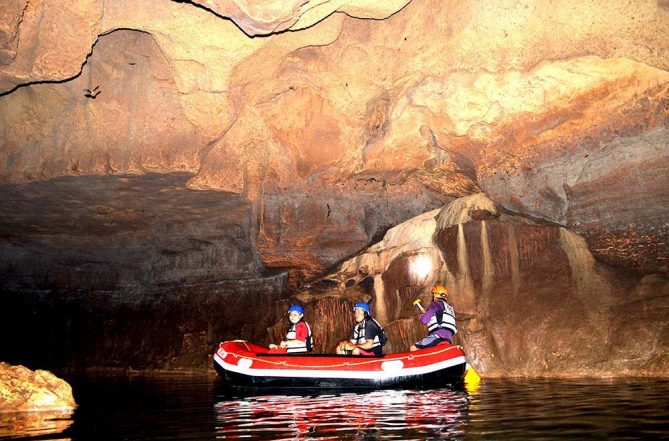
(417, 303)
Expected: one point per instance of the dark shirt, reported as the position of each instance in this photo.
(367, 330)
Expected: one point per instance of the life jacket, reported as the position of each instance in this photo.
(443, 319)
(358, 337)
(292, 334)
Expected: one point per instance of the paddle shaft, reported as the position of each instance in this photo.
(417, 303)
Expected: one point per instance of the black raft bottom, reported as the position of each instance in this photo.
(453, 376)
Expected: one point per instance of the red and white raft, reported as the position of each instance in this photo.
(245, 364)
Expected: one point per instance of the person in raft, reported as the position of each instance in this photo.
(439, 318)
(367, 337)
(298, 339)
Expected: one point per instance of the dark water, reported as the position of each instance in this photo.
(199, 408)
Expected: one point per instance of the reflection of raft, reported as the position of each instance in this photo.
(245, 364)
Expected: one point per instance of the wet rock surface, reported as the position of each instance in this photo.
(168, 326)
(130, 272)
(628, 226)
(530, 298)
(514, 110)
(24, 390)
(112, 233)
(309, 234)
(155, 151)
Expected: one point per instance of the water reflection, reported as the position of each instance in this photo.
(380, 414)
(183, 408)
(583, 409)
(40, 423)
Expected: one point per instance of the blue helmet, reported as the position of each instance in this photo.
(364, 306)
(296, 308)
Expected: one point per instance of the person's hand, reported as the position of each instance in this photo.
(273, 346)
(283, 344)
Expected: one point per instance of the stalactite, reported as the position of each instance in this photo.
(488, 271)
(515, 261)
(465, 284)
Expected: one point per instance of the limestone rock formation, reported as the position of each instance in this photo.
(24, 390)
(261, 18)
(449, 98)
(530, 298)
(277, 136)
(45, 40)
(116, 234)
(496, 95)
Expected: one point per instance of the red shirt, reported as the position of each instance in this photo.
(301, 331)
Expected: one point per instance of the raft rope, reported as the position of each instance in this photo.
(284, 363)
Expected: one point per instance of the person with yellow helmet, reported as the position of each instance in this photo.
(439, 318)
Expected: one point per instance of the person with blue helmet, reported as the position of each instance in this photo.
(298, 339)
(367, 337)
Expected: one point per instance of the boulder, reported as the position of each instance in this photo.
(22, 389)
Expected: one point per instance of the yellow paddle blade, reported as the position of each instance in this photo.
(471, 377)
(472, 380)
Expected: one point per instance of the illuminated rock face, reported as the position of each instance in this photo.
(25, 390)
(331, 122)
(449, 98)
(530, 299)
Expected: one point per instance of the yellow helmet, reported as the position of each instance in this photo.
(439, 292)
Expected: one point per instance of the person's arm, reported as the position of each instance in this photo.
(371, 332)
(349, 344)
(367, 345)
(431, 310)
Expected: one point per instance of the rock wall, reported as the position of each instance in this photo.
(530, 298)
(536, 104)
(115, 233)
(173, 326)
(303, 131)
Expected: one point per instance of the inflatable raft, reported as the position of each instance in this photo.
(245, 364)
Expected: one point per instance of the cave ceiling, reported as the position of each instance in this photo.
(332, 121)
